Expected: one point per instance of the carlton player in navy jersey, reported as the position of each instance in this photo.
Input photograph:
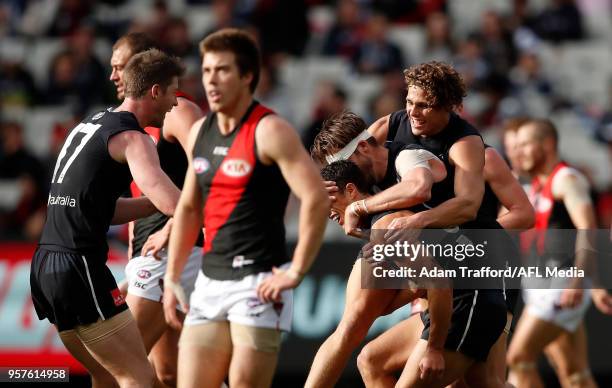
(149, 235)
(243, 164)
(71, 284)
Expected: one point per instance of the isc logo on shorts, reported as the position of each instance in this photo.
(236, 168)
(200, 165)
(143, 274)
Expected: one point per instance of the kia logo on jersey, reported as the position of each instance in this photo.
(200, 165)
(235, 168)
(143, 274)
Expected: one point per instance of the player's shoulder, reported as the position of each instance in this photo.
(273, 125)
(571, 175)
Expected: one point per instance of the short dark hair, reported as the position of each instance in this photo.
(136, 41)
(344, 172)
(337, 131)
(442, 84)
(242, 45)
(148, 68)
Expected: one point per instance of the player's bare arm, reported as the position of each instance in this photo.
(130, 209)
(518, 212)
(573, 190)
(379, 129)
(277, 142)
(139, 152)
(179, 120)
(177, 125)
(186, 226)
(413, 189)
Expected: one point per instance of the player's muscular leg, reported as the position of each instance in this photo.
(164, 356)
(206, 344)
(532, 335)
(382, 357)
(362, 307)
(116, 344)
(100, 377)
(569, 356)
(455, 366)
(149, 316)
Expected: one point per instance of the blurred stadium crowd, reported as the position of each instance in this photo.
(540, 58)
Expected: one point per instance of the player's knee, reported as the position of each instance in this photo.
(366, 361)
(519, 358)
(166, 373)
(103, 380)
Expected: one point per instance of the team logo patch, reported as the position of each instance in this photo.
(236, 168)
(200, 165)
(143, 274)
(117, 297)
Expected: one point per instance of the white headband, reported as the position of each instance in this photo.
(348, 149)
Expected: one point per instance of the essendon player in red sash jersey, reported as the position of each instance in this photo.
(553, 317)
(244, 161)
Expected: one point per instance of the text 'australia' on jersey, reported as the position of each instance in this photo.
(86, 184)
(244, 200)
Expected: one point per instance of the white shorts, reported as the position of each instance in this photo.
(145, 273)
(544, 304)
(237, 301)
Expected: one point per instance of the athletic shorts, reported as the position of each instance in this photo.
(72, 289)
(511, 296)
(145, 275)
(478, 319)
(544, 304)
(237, 301)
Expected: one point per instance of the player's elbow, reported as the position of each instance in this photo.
(527, 217)
(421, 191)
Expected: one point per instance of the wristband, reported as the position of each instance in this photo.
(177, 289)
(293, 274)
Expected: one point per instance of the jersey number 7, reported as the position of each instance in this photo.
(88, 129)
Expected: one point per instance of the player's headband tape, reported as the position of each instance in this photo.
(348, 149)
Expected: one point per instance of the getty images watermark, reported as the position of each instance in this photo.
(478, 258)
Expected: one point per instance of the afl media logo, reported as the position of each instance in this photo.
(143, 274)
(235, 168)
(200, 165)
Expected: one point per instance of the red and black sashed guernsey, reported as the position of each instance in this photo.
(244, 200)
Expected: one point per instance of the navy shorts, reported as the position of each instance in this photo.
(72, 289)
(478, 319)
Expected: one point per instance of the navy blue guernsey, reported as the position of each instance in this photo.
(440, 145)
(244, 200)
(86, 184)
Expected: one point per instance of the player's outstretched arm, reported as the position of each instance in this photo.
(518, 213)
(277, 142)
(138, 150)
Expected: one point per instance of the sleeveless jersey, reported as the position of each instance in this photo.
(173, 162)
(244, 200)
(86, 184)
(551, 214)
(440, 145)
